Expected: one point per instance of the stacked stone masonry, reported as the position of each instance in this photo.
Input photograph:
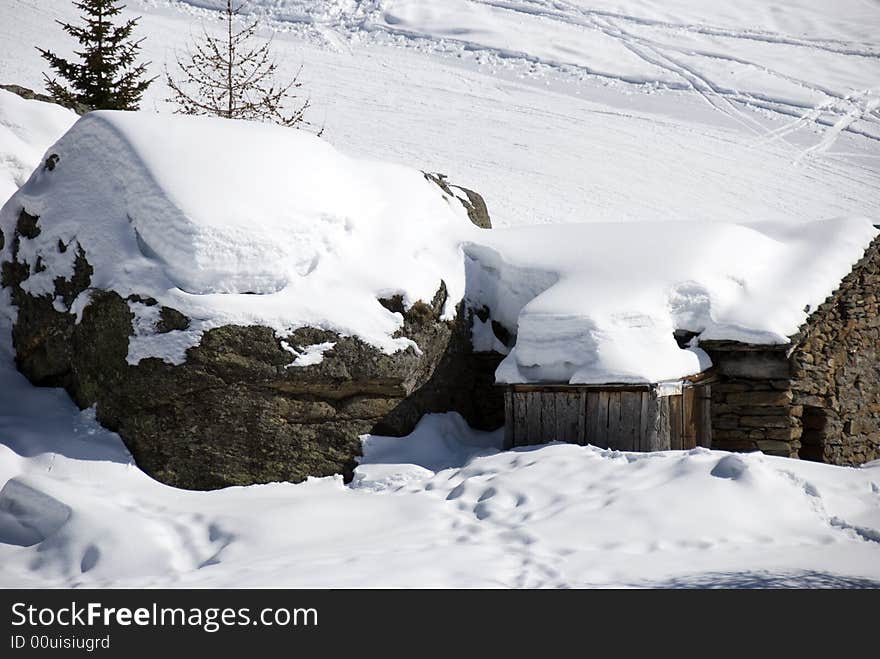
(817, 398)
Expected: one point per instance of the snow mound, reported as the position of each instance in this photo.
(27, 129)
(599, 302)
(240, 223)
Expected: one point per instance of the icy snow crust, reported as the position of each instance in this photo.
(598, 302)
(240, 223)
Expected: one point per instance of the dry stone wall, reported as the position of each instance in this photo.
(836, 370)
(817, 398)
(752, 401)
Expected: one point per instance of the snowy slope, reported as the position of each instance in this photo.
(27, 129)
(542, 143)
(782, 56)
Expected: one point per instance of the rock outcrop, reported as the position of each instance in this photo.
(31, 95)
(236, 412)
(472, 201)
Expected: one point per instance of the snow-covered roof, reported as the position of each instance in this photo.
(240, 223)
(599, 302)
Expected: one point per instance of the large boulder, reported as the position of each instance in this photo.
(241, 302)
(236, 411)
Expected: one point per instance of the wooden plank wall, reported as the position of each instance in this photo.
(704, 402)
(508, 419)
(675, 422)
(625, 420)
(622, 420)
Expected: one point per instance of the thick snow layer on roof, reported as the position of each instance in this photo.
(596, 303)
(240, 223)
(27, 128)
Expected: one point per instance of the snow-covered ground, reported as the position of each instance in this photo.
(557, 112)
(440, 508)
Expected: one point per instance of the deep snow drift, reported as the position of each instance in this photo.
(598, 302)
(239, 223)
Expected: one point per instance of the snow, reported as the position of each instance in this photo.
(441, 508)
(545, 142)
(483, 338)
(599, 302)
(239, 223)
(308, 355)
(27, 129)
(737, 112)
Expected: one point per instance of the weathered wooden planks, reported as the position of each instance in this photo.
(704, 437)
(613, 436)
(689, 418)
(535, 429)
(655, 421)
(508, 420)
(675, 422)
(630, 421)
(664, 434)
(571, 416)
(520, 425)
(622, 419)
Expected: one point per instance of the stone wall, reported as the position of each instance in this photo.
(836, 370)
(817, 398)
(752, 406)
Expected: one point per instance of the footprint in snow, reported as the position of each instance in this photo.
(90, 558)
(730, 466)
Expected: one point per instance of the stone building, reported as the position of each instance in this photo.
(814, 397)
(817, 397)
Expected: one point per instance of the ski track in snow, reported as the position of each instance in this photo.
(651, 40)
(548, 143)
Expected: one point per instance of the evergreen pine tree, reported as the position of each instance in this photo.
(233, 76)
(108, 77)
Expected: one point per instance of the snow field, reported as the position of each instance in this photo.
(543, 145)
(440, 508)
(739, 112)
